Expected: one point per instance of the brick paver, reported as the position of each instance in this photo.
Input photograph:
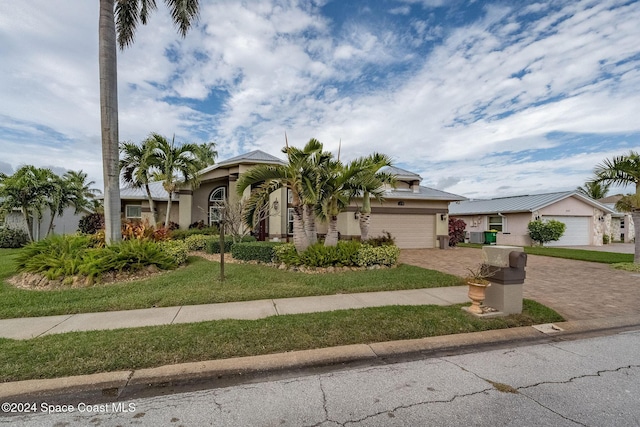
(575, 289)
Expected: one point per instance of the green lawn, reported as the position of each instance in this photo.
(577, 254)
(79, 353)
(198, 283)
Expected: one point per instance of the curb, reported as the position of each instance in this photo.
(112, 385)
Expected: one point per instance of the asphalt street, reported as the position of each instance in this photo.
(588, 382)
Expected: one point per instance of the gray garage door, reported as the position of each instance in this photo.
(410, 231)
(577, 232)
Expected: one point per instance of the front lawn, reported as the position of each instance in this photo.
(79, 353)
(577, 254)
(198, 283)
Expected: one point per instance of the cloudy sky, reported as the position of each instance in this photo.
(481, 98)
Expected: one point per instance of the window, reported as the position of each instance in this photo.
(495, 223)
(217, 198)
(290, 221)
(133, 211)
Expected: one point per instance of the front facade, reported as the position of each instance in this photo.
(586, 220)
(414, 215)
(622, 226)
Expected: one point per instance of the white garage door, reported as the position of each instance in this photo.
(577, 232)
(410, 231)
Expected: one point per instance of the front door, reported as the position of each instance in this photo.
(263, 230)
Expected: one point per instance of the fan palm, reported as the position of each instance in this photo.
(117, 25)
(624, 170)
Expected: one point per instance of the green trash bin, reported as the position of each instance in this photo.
(490, 237)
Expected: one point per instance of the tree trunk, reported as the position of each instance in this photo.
(50, 229)
(332, 233)
(309, 219)
(300, 240)
(109, 121)
(25, 214)
(152, 205)
(365, 216)
(636, 227)
(166, 221)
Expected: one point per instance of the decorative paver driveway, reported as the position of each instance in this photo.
(575, 289)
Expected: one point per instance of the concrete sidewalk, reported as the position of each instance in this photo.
(31, 327)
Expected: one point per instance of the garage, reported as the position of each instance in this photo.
(576, 232)
(411, 231)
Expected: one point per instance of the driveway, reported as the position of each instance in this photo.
(576, 289)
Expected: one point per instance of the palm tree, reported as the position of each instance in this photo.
(121, 17)
(175, 165)
(624, 170)
(370, 183)
(28, 190)
(594, 190)
(298, 176)
(72, 189)
(135, 166)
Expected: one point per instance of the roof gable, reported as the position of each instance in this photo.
(252, 157)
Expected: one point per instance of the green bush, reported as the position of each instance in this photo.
(176, 249)
(378, 255)
(348, 252)
(344, 254)
(183, 234)
(385, 240)
(91, 223)
(286, 253)
(213, 245)
(546, 231)
(198, 242)
(13, 238)
(69, 255)
(605, 239)
(255, 251)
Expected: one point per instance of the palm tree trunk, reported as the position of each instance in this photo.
(25, 214)
(365, 216)
(109, 121)
(50, 229)
(332, 233)
(166, 221)
(300, 239)
(636, 226)
(309, 219)
(152, 205)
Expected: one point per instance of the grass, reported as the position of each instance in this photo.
(576, 254)
(80, 353)
(198, 283)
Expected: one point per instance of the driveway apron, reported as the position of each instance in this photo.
(577, 290)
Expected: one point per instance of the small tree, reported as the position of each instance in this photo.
(546, 231)
(456, 231)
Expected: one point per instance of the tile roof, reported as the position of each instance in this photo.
(525, 203)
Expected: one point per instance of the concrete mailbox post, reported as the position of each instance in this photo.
(508, 267)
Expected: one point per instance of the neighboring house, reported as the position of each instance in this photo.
(413, 214)
(622, 227)
(586, 220)
(65, 224)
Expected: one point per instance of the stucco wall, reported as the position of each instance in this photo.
(567, 207)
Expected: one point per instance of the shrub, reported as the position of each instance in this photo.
(183, 234)
(456, 231)
(55, 256)
(176, 249)
(380, 255)
(348, 252)
(198, 242)
(136, 230)
(318, 255)
(91, 224)
(161, 234)
(13, 238)
(213, 245)
(254, 251)
(605, 239)
(286, 253)
(546, 231)
(385, 240)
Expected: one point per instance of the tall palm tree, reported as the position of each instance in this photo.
(370, 183)
(136, 163)
(118, 20)
(175, 165)
(594, 190)
(624, 170)
(28, 190)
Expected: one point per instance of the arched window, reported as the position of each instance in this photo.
(217, 199)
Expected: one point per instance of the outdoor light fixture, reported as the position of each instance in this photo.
(443, 216)
(276, 204)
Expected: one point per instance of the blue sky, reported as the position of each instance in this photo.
(481, 98)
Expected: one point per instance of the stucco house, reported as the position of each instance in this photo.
(586, 220)
(415, 215)
(65, 224)
(622, 227)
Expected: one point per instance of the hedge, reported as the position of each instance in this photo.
(254, 251)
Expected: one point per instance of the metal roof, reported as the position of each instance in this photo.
(525, 203)
(401, 174)
(256, 156)
(424, 193)
(157, 192)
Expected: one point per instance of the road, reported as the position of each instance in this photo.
(588, 382)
